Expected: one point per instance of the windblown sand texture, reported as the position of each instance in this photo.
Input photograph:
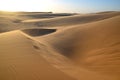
(59, 46)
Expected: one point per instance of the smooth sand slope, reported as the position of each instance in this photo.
(94, 46)
(74, 47)
(15, 21)
(20, 61)
(69, 20)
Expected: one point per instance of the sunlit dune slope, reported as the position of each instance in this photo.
(94, 46)
(70, 20)
(8, 22)
(76, 47)
(13, 20)
(20, 61)
(22, 20)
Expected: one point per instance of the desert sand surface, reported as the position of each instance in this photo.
(59, 46)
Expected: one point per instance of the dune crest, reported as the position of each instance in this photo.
(60, 46)
(20, 61)
(94, 46)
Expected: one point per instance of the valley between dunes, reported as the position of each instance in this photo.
(59, 46)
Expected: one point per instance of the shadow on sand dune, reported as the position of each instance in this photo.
(38, 32)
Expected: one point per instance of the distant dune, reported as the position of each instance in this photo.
(65, 47)
(70, 20)
(45, 15)
(14, 21)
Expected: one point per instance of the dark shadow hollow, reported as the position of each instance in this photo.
(38, 32)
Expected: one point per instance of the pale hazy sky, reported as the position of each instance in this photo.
(83, 6)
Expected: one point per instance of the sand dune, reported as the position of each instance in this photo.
(13, 21)
(20, 61)
(44, 15)
(70, 47)
(70, 20)
(94, 46)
